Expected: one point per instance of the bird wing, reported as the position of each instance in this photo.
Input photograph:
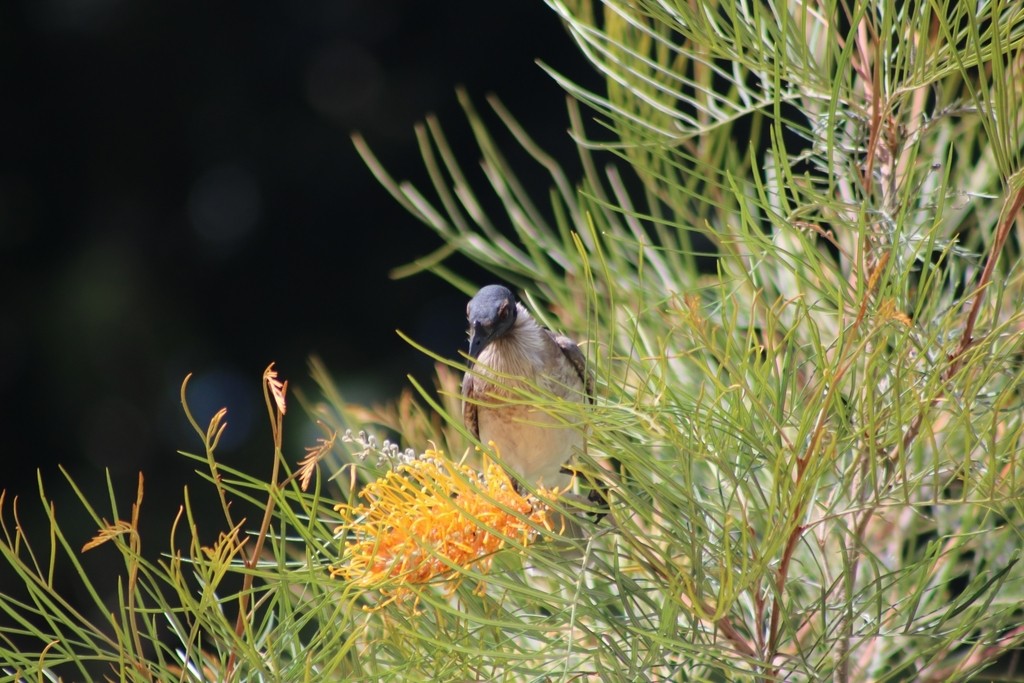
(572, 353)
(469, 412)
(599, 495)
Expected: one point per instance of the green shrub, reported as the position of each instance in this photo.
(793, 259)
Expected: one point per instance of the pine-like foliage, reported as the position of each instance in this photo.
(793, 257)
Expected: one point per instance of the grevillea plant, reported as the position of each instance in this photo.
(791, 254)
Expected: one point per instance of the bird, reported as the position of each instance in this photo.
(512, 354)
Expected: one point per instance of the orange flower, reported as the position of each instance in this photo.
(431, 519)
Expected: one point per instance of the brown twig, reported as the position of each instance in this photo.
(273, 394)
(967, 339)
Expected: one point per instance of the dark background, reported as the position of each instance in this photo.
(179, 193)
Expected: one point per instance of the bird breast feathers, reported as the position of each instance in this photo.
(529, 352)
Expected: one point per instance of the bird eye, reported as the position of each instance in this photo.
(503, 311)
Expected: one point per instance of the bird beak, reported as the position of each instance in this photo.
(477, 340)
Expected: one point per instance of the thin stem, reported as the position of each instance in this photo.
(276, 413)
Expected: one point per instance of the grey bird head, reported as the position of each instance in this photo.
(491, 314)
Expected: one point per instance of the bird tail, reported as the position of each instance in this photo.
(599, 495)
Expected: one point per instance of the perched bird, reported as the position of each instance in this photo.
(513, 353)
